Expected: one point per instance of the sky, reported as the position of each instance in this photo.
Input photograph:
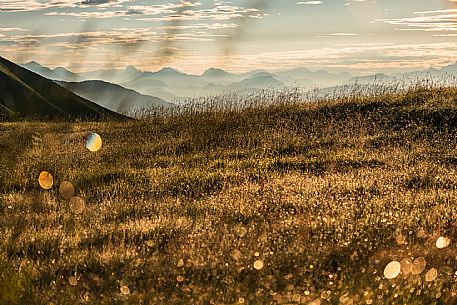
(357, 36)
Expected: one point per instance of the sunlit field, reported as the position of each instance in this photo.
(342, 201)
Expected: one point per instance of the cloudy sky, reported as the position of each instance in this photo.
(357, 36)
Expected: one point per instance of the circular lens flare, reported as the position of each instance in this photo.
(392, 270)
(406, 265)
(431, 275)
(72, 281)
(442, 242)
(66, 190)
(258, 264)
(93, 142)
(418, 265)
(77, 205)
(125, 290)
(45, 180)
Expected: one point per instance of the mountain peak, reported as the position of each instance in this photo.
(33, 64)
(215, 72)
(132, 69)
(169, 71)
(60, 69)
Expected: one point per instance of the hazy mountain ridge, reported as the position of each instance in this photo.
(114, 97)
(172, 85)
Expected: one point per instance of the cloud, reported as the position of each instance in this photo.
(428, 21)
(130, 11)
(310, 2)
(200, 26)
(83, 39)
(218, 13)
(13, 30)
(33, 5)
(337, 34)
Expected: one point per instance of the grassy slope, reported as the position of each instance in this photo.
(326, 194)
(27, 94)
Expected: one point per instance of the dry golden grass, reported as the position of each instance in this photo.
(180, 209)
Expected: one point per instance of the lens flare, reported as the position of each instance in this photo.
(442, 242)
(125, 290)
(45, 180)
(431, 275)
(406, 265)
(66, 190)
(392, 270)
(258, 264)
(418, 265)
(93, 142)
(72, 281)
(77, 205)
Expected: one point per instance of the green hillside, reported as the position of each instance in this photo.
(28, 95)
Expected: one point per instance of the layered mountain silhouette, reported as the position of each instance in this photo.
(54, 74)
(171, 85)
(26, 94)
(114, 97)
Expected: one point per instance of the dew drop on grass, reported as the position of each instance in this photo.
(45, 180)
(72, 280)
(125, 290)
(392, 270)
(77, 205)
(66, 190)
(418, 265)
(442, 242)
(258, 264)
(431, 275)
(93, 142)
(406, 265)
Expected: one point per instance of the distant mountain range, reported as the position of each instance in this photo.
(26, 94)
(171, 85)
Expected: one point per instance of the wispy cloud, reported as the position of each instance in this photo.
(338, 34)
(218, 13)
(33, 5)
(13, 30)
(429, 21)
(115, 37)
(129, 10)
(200, 26)
(309, 2)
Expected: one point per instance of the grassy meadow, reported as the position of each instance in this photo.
(290, 203)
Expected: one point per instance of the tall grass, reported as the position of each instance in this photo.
(181, 205)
